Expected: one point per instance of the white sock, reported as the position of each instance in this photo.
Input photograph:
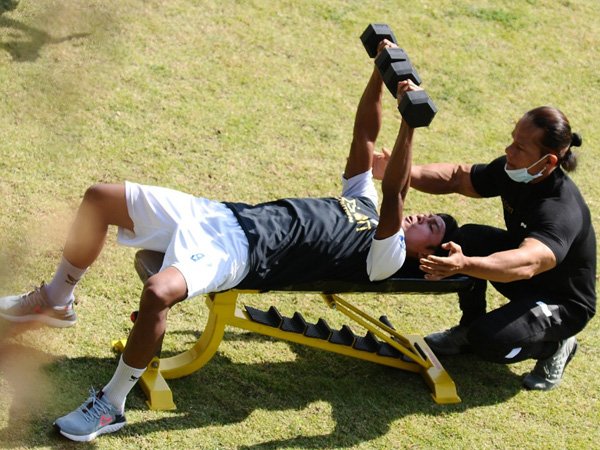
(121, 383)
(60, 290)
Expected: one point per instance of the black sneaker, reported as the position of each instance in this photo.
(449, 342)
(548, 372)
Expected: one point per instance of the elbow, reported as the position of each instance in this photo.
(526, 274)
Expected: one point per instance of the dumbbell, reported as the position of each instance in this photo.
(374, 34)
(417, 109)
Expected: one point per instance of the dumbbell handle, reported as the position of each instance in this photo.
(394, 66)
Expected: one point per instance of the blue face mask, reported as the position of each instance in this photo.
(523, 175)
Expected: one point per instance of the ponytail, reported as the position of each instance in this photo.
(569, 160)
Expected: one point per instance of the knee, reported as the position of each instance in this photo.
(96, 195)
(95, 192)
(158, 295)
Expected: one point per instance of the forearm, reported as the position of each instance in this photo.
(395, 184)
(504, 267)
(367, 122)
(396, 179)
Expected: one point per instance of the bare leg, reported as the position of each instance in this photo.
(160, 293)
(102, 205)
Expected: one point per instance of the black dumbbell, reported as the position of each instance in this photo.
(394, 65)
(417, 109)
(374, 34)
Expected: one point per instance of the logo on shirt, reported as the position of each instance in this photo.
(352, 210)
(197, 257)
(523, 225)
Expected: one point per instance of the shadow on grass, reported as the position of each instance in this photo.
(25, 42)
(364, 398)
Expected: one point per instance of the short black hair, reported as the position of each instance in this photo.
(450, 233)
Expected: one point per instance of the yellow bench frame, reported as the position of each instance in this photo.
(388, 346)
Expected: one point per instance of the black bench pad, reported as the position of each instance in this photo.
(148, 263)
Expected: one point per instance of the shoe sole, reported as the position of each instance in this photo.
(40, 318)
(90, 437)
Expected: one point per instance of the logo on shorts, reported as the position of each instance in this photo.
(197, 257)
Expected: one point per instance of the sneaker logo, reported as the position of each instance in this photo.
(37, 309)
(105, 420)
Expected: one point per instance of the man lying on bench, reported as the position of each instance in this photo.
(211, 246)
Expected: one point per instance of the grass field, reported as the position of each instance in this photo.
(249, 101)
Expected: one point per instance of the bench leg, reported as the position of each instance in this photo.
(443, 389)
(158, 393)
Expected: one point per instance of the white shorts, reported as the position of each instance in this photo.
(200, 238)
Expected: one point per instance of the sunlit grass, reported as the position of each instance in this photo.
(250, 101)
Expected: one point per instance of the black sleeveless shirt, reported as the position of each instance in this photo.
(306, 239)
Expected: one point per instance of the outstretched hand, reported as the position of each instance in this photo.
(438, 267)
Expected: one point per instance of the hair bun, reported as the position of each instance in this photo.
(576, 140)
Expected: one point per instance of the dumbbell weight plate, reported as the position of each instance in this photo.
(417, 109)
(374, 34)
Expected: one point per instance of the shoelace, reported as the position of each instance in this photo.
(33, 298)
(94, 407)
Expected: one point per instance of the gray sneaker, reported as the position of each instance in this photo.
(35, 307)
(95, 417)
(548, 372)
(449, 342)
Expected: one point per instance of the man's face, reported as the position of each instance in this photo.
(524, 149)
(423, 233)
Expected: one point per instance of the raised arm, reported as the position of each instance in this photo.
(367, 124)
(396, 179)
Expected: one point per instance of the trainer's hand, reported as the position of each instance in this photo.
(380, 162)
(438, 267)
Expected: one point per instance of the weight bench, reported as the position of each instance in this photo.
(381, 344)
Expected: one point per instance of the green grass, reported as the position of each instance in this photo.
(252, 100)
